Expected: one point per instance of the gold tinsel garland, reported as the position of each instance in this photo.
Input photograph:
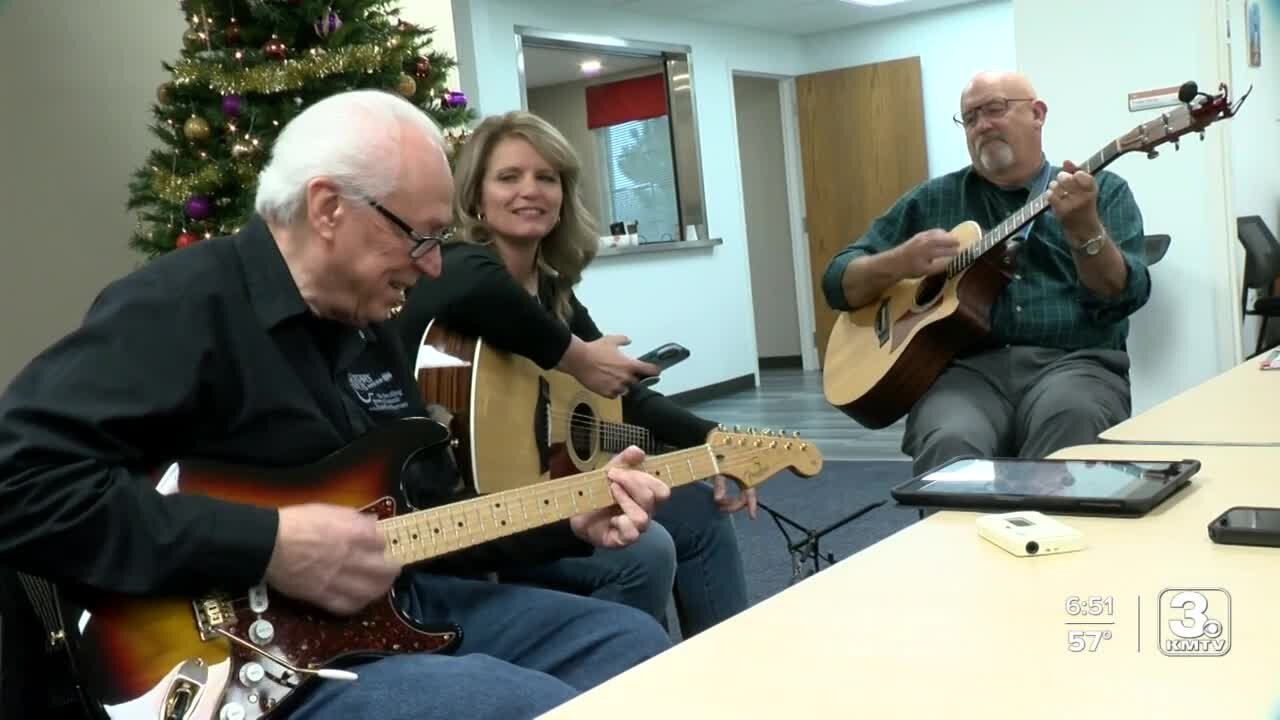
(291, 74)
(178, 189)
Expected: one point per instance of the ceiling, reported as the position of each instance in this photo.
(547, 66)
(789, 17)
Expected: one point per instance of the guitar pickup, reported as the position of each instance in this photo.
(883, 321)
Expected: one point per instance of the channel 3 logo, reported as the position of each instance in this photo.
(1195, 622)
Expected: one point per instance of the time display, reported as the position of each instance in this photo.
(1090, 606)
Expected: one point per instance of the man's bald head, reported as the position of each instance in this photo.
(1002, 117)
(1007, 84)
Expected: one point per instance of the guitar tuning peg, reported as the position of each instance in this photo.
(796, 434)
(1152, 154)
(1177, 145)
(737, 428)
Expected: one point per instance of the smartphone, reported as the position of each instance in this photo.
(1247, 526)
(664, 356)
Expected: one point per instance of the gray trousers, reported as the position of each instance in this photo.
(1017, 402)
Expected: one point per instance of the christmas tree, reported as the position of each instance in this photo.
(247, 67)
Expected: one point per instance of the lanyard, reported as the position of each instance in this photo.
(1042, 184)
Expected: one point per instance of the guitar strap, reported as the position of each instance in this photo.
(1041, 184)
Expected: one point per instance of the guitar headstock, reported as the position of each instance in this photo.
(753, 456)
(1198, 111)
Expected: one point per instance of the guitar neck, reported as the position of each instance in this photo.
(1025, 214)
(426, 534)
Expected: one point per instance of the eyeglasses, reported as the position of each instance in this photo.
(991, 110)
(419, 244)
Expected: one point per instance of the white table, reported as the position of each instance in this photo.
(935, 622)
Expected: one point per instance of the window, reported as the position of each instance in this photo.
(639, 177)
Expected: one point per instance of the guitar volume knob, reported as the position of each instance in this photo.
(251, 674)
(261, 632)
(231, 711)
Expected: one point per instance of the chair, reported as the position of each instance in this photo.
(1155, 247)
(1261, 267)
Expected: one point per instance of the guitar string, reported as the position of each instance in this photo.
(473, 528)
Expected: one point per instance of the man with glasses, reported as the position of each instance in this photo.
(268, 348)
(1053, 372)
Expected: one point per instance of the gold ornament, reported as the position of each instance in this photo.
(164, 93)
(242, 150)
(270, 78)
(193, 39)
(196, 129)
(407, 86)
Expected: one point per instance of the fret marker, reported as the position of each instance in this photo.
(459, 523)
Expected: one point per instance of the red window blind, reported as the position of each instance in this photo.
(637, 98)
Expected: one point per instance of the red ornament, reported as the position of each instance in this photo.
(232, 33)
(185, 239)
(422, 68)
(275, 49)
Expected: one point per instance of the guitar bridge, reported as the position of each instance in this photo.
(212, 613)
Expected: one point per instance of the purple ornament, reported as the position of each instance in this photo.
(326, 25)
(232, 105)
(455, 99)
(198, 207)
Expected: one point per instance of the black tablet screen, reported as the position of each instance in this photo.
(1057, 478)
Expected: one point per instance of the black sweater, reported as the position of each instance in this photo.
(477, 296)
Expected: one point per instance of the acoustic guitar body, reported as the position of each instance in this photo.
(516, 424)
(882, 357)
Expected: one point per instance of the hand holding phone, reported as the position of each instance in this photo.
(663, 356)
(1243, 525)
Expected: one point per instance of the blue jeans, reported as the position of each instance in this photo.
(524, 651)
(690, 544)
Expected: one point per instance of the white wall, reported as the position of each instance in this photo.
(1187, 331)
(700, 298)
(764, 192)
(436, 14)
(1255, 132)
(78, 83)
(953, 45)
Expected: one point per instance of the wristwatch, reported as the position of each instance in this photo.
(1093, 245)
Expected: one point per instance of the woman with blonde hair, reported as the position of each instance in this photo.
(523, 242)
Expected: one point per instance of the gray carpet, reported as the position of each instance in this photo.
(839, 490)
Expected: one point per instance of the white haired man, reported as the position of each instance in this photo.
(267, 348)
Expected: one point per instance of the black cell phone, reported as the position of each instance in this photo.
(664, 356)
(1244, 525)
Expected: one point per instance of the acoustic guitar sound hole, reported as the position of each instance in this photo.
(929, 289)
(582, 425)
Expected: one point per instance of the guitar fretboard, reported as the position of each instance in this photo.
(430, 533)
(1025, 214)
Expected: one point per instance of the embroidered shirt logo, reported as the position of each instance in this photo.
(379, 393)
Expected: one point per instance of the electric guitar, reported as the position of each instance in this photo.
(251, 653)
(517, 423)
(882, 357)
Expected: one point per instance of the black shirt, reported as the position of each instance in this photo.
(208, 352)
(475, 295)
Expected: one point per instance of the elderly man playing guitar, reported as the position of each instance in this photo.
(1053, 370)
(268, 349)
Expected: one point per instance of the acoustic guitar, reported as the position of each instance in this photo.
(250, 653)
(883, 356)
(516, 423)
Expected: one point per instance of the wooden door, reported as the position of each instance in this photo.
(862, 144)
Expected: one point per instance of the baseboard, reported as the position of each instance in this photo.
(781, 361)
(714, 391)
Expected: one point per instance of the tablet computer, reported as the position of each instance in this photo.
(1077, 487)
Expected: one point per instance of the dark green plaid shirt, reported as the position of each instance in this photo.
(1045, 305)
